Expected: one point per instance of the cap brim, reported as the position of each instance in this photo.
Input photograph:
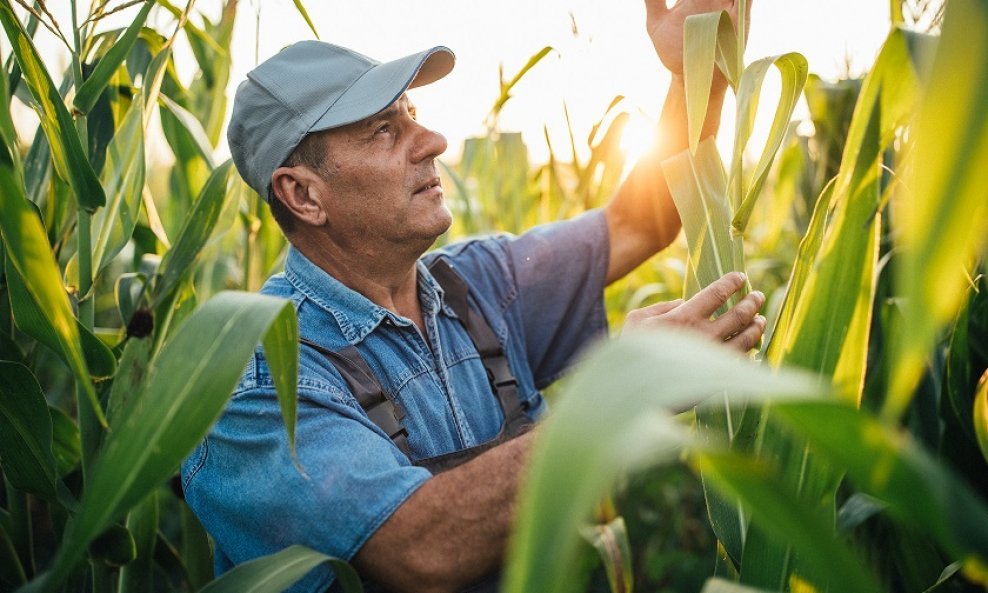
(383, 84)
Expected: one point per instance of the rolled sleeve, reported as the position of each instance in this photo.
(259, 503)
(560, 270)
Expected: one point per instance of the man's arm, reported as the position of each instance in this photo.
(453, 531)
(641, 217)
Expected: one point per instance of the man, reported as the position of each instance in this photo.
(415, 373)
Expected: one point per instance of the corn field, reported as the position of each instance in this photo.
(850, 454)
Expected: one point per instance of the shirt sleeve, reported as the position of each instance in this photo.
(549, 285)
(251, 497)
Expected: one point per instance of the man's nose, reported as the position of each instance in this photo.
(428, 145)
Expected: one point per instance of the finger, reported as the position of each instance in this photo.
(655, 8)
(748, 339)
(704, 303)
(740, 316)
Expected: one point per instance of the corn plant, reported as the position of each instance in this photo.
(113, 360)
(802, 476)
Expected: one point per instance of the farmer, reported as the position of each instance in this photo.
(419, 375)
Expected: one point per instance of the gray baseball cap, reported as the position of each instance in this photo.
(312, 86)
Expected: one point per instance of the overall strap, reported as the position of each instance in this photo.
(492, 355)
(380, 407)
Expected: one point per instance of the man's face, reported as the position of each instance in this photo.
(381, 186)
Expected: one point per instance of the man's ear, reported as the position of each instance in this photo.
(299, 189)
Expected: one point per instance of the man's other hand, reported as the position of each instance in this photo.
(741, 326)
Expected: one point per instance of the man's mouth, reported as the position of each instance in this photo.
(431, 185)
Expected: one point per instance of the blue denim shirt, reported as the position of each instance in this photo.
(541, 292)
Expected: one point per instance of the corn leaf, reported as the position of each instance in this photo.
(585, 445)
(142, 523)
(167, 416)
(95, 84)
(275, 573)
(793, 70)
(30, 256)
(32, 318)
(305, 15)
(11, 569)
(178, 262)
(610, 540)
(66, 149)
(698, 185)
(884, 463)
(981, 414)
(709, 42)
(187, 123)
(819, 307)
(26, 433)
(8, 134)
(507, 86)
(66, 443)
(944, 217)
(131, 374)
(790, 519)
(123, 178)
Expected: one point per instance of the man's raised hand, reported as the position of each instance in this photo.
(665, 25)
(741, 326)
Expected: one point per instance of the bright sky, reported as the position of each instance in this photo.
(609, 55)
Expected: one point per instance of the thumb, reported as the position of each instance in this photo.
(663, 307)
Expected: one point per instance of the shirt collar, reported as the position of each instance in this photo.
(356, 315)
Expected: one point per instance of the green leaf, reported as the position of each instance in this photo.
(33, 319)
(886, 464)
(30, 256)
(178, 262)
(66, 149)
(305, 15)
(123, 177)
(11, 570)
(281, 352)
(168, 417)
(137, 576)
(506, 87)
(793, 70)
(981, 414)
(709, 41)
(614, 415)
(196, 135)
(26, 433)
(944, 216)
(8, 133)
(698, 185)
(66, 441)
(275, 573)
(131, 374)
(823, 309)
(610, 540)
(115, 546)
(788, 518)
(95, 84)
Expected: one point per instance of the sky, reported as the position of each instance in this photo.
(600, 51)
(609, 54)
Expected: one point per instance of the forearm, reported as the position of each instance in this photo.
(453, 530)
(642, 218)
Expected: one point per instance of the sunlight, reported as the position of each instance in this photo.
(638, 138)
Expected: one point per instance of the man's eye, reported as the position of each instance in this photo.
(383, 128)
